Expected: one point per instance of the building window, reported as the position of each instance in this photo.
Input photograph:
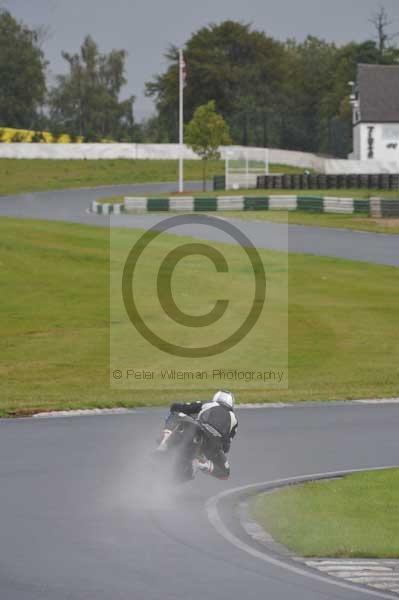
(390, 133)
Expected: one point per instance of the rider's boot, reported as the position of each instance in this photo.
(202, 464)
(163, 445)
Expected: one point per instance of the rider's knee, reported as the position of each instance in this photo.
(221, 471)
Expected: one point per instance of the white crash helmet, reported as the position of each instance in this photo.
(224, 397)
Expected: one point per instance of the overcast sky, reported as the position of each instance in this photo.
(145, 28)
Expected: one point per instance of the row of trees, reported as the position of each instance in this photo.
(85, 102)
(22, 73)
(271, 93)
(290, 95)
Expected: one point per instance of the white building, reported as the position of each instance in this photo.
(375, 104)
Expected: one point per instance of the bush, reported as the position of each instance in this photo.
(18, 138)
(37, 137)
(55, 137)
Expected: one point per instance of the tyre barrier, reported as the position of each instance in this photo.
(219, 182)
(106, 208)
(308, 203)
(321, 181)
(384, 208)
(313, 181)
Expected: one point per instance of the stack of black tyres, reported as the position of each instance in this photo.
(352, 181)
(394, 182)
(332, 182)
(313, 182)
(374, 182)
(384, 181)
(296, 182)
(322, 181)
(261, 182)
(287, 182)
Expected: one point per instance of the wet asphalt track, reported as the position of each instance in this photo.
(71, 205)
(81, 520)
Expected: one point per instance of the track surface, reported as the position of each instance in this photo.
(80, 520)
(71, 205)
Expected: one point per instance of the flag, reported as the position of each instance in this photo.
(183, 68)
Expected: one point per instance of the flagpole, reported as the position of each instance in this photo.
(181, 148)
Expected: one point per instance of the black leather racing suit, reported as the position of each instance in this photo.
(222, 419)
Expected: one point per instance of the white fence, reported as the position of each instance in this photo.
(304, 160)
(146, 151)
(365, 167)
(94, 151)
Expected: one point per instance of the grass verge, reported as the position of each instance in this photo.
(20, 175)
(357, 222)
(55, 306)
(355, 516)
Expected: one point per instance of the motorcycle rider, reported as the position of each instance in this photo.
(220, 423)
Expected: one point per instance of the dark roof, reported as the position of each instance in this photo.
(378, 87)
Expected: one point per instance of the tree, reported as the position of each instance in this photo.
(152, 131)
(86, 100)
(310, 80)
(228, 62)
(381, 21)
(291, 95)
(22, 73)
(205, 133)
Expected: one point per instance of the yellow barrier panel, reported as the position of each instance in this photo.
(25, 135)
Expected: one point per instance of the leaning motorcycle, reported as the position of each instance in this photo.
(182, 440)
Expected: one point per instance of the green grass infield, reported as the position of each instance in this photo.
(55, 335)
(21, 175)
(354, 516)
